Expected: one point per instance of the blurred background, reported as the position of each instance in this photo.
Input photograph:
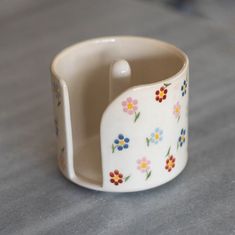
(34, 196)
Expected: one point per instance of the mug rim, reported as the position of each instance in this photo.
(170, 46)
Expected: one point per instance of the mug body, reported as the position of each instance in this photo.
(138, 140)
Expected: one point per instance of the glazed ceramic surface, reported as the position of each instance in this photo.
(121, 113)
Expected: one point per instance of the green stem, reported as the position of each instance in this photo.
(137, 115)
(113, 148)
(148, 141)
(148, 174)
(178, 119)
(127, 178)
(168, 152)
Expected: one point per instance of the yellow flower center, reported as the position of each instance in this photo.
(116, 178)
(130, 106)
(157, 136)
(121, 142)
(143, 165)
(177, 109)
(161, 94)
(170, 163)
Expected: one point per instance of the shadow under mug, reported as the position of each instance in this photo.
(121, 112)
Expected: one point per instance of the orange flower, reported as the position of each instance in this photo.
(170, 163)
(116, 177)
(161, 94)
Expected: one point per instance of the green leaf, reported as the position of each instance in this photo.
(127, 178)
(166, 84)
(148, 175)
(168, 152)
(113, 148)
(147, 140)
(136, 116)
(178, 119)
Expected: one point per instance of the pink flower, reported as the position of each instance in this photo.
(143, 164)
(130, 105)
(144, 167)
(177, 110)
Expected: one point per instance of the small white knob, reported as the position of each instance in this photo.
(119, 78)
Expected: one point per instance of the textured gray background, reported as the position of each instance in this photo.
(36, 199)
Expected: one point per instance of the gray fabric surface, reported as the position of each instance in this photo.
(34, 196)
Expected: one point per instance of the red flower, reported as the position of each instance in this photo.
(170, 163)
(161, 94)
(116, 177)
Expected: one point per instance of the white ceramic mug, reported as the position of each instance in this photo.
(121, 112)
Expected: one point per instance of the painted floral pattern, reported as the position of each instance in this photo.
(117, 177)
(177, 110)
(143, 165)
(182, 138)
(161, 94)
(155, 137)
(120, 143)
(130, 106)
(170, 163)
(184, 88)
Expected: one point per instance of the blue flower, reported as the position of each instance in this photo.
(120, 143)
(182, 138)
(156, 136)
(184, 88)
